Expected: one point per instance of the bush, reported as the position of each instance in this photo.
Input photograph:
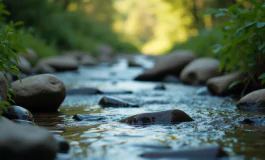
(67, 30)
(202, 44)
(10, 44)
(243, 47)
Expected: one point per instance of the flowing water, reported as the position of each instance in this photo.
(217, 120)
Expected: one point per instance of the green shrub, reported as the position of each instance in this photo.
(67, 30)
(243, 47)
(10, 44)
(202, 44)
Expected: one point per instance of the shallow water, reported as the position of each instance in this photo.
(216, 119)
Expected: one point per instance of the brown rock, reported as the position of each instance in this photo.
(199, 71)
(220, 85)
(39, 93)
(254, 101)
(171, 64)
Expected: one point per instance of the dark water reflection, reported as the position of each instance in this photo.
(216, 119)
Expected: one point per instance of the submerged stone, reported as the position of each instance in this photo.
(160, 87)
(163, 117)
(254, 101)
(84, 90)
(108, 101)
(211, 152)
(116, 91)
(255, 121)
(19, 113)
(87, 117)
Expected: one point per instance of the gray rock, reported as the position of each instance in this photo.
(160, 87)
(220, 85)
(24, 66)
(88, 60)
(171, 64)
(3, 86)
(17, 112)
(39, 93)
(163, 117)
(31, 56)
(108, 101)
(254, 121)
(254, 101)
(41, 68)
(27, 142)
(60, 63)
(62, 143)
(106, 53)
(199, 71)
(25, 122)
(210, 152)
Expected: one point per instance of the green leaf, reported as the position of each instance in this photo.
(261, 46)
(262, 76)
(260, 24)
(234, 84)
(263, 5)
(219, 14)
(210, 11)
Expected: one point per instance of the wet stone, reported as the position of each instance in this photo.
(255, 121)
(23, 122)
(254, 101)
(116, 92)
(108, 101)
(211, 152)
(203, 91)
(62, 143)
(88, 117)
(163, 117)
(160, 87)
(84, 90)
(19, 113)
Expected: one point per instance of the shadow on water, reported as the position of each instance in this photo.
(217, 121)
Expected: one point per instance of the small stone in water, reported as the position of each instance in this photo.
(108, 101)
(160, 87)
(87, 117)
(163, 117)
(17, 112)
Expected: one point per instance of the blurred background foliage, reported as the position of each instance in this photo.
(150, 27)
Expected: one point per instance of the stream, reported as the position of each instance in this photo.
(216, 119)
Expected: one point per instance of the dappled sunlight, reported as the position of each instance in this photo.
(156, 24)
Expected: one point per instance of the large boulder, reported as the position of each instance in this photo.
(220, 85)
(18, 141)
(199, 71)
(163, 117)
(3, 86)
(60, 63)
(39, 93)
(254, 101)
(171, 64)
